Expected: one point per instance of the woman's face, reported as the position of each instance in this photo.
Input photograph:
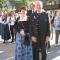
(12, 13)
(59, 14)
(23, 12)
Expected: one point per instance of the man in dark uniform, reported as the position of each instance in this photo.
(31, 11)
(40, 31)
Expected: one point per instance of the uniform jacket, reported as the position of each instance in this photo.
(30, 12)
(40, 26)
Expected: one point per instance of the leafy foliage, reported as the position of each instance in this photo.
(19, 3)
(2, 3)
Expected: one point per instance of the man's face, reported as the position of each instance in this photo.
(32, 6)
(38, 6)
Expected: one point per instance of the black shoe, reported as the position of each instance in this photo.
(48, 47)
(12, 41)
(4, 42)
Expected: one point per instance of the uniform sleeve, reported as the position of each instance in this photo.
(48, 28)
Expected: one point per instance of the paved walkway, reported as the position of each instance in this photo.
(7, 51)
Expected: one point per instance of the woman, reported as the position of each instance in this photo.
(5, 28)
(23, 37)
(12, 22)
(57, 26)
(0, 22)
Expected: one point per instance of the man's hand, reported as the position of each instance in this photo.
(34, 39)
(47, 39)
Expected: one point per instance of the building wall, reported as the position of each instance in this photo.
(58, 1)
(51, 6)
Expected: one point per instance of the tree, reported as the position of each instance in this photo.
(2, 3)
(19, 3)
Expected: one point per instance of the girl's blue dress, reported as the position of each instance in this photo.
(23, 52)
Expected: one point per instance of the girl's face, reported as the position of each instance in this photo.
(23, 12)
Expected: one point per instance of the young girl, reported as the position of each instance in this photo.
(23, 37)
